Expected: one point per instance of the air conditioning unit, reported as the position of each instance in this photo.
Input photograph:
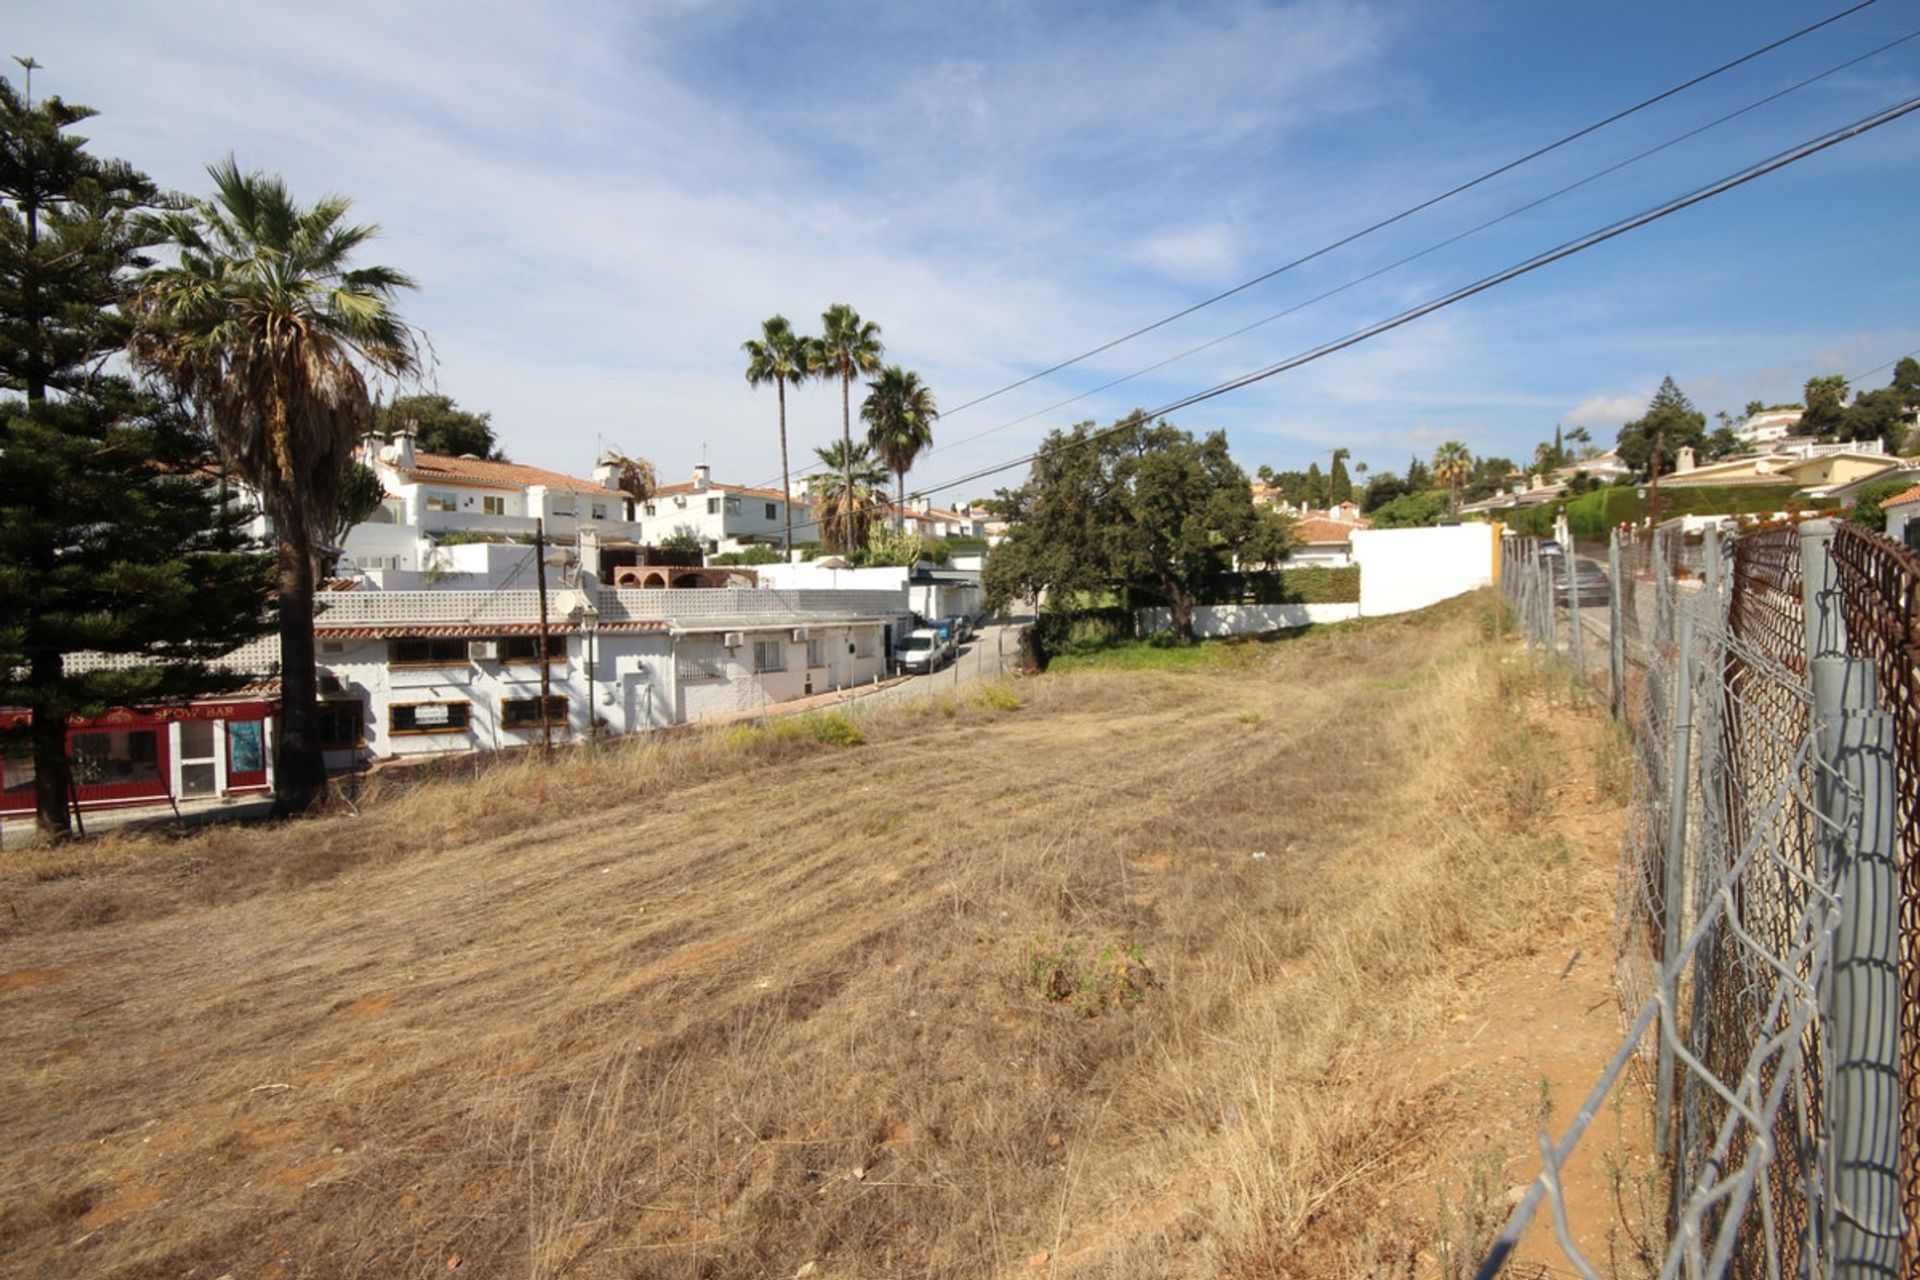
(332, 647)
(799, 634)
(483, 650)
(733, 639)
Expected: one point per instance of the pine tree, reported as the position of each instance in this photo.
(113, 535)
(1316, 487)
(1339, 483)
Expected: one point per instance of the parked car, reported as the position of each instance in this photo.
(1550, 548)
(920, 652)
(944, 628)
(962, 627)
(1588, 580)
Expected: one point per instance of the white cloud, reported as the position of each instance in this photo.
(1607, 411)
(1206, 252)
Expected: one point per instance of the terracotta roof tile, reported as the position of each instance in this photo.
(472, 630)
(429, 467)
(1905, 495)
(1316, 532)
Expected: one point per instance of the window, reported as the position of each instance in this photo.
(599, 511)
(342, 726)
(563, 507)
(527, 648)
(524, 713)
(428, 717)
(772, 514)
(701, 662)
(650, 511)
(680, 503)
(769, 655)
(733, 506)
(863, 643)
(440, 500)
(713, 506)
(494, 506)
(116, 757)
(423, 651)
(16, 763)
(816, 652)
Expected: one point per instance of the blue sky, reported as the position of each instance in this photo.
(602, 201)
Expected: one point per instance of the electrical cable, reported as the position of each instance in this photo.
(1395, 218)
(1435, 247)
(1428, 203)
(1775, 162)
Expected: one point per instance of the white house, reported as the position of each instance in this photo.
(434, 499)
(1903, 517)
(427, 672)
(1770, 425)
(1324, 541)
(725, 517)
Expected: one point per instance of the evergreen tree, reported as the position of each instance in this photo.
(439, 426)
(1316, 487)
(1419, 477)
(1669, 423)
(114, 538)
(1339, 483)
(1826, 406)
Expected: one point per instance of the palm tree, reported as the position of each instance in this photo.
(268, 330)
(846, 346)
(1451, 466)
(899, 413)
(779, 357)
(847, 493)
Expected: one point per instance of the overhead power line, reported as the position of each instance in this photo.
(1778, 161)
(1428, 203)
(1401, 216)
(1377, 272)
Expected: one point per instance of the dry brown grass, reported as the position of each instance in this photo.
(719, 1007)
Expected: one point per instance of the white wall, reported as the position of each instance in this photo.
(806, 574)
(1406, 569)
(850, 655)
(1898, 519)
(1249, 619)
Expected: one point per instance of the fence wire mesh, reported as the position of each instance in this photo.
(1750, 833)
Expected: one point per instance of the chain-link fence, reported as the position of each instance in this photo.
(1769, 687)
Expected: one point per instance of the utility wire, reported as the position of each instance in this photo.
(1428, 203)
(1778, 161)
(1434, 248)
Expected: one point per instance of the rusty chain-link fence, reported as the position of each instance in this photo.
(1770, 908)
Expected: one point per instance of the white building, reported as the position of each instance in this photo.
(1769, 425)
(725, 517)
(434, 500)
(1903, 517)
(428, 672)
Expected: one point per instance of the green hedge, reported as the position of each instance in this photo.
(1309, 584)
(1591, 515)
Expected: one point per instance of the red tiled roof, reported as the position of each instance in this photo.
(686, 486)
(1318, 531)
(429, 467)
(1905, 495)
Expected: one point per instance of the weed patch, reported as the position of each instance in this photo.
(1088, 980)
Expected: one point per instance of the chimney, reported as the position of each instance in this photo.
(702, 476)
(398, 452)
(606, 475)
(1683, 461)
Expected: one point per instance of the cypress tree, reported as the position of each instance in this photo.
(114, 535)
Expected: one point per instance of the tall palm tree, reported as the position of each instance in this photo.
(780, 356)
(899, 413)
(846, 495)
(1452, 464)
(846, 346)
(268, 330)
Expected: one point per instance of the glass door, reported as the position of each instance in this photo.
(199, 768)
(247, 752)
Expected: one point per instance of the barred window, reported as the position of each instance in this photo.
(769, 655)
(524, 713)
(429, 717)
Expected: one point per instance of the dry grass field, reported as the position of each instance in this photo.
(1131, 974)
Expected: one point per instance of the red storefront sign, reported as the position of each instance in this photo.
(126, 755)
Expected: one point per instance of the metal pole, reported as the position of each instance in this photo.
(1679, 768)
(1616, 630)
(1573, 617)
(546, 681)
(1861, 999)
(1820, 587)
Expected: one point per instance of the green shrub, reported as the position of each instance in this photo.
(834, 728)
(752, 555)
(1308, 584)
(997, 695)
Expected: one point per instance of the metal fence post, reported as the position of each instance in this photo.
(1616, 630)
(1672, 908)
(1861, 999)
(1820, 587)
